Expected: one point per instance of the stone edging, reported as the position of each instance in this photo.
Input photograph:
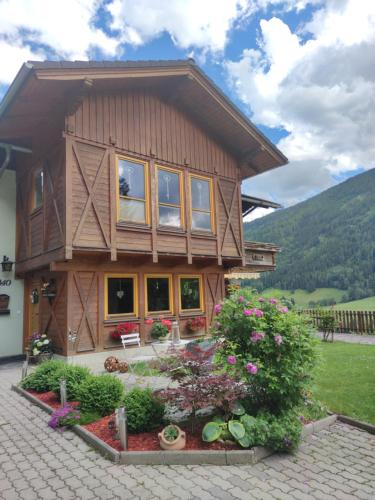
(357, 423)
(90, 438)
(188, 457)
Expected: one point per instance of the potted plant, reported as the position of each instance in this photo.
(172, 438)
(195, 324)
(160, 330)
(123, 329)
(40, 348)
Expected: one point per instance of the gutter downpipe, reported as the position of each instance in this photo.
(8, 152)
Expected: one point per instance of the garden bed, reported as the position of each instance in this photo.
(144, 447)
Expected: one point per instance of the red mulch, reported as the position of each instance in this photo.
(149, 441)
(145, 441)
(50, 399)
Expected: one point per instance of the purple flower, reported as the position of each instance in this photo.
(302, 418)
(261, 299)
(251, 368)
(278, 339)
(253, 312)
(255, 336)
(218, 308)
(272, 301)
(241, 298)
(232, 360)
(283, 310)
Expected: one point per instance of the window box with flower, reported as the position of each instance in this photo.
(197, 324)
(124, 329)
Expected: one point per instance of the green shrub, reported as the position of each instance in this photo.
(284, 431)
(40, 379)
(74, 375)
(268, 346)
(144, 410)
(100, 393)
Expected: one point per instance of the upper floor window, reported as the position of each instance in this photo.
(201, 190)
(38, 190)
(132, 190)
(170, 199)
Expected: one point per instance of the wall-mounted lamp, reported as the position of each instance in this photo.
(6, 264)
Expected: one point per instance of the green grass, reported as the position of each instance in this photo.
(302, 297)
(367, 304)
(345, 380)
(144, 369)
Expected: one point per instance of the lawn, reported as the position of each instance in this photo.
(346, 379)
(367, 304)
(303, 297)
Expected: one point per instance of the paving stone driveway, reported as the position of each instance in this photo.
(37, 462)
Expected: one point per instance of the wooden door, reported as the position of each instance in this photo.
(34, 297)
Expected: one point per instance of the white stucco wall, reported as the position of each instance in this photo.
(10, 325)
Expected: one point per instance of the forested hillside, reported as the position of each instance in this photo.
(327, 240)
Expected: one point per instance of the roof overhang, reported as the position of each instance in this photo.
(40, 87)
(250, 203)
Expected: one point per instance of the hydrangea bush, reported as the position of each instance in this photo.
(269, 347)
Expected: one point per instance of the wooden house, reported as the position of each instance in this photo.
(129, 206)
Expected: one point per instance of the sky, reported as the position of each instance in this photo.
(302, 70)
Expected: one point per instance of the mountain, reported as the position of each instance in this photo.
(326, 241)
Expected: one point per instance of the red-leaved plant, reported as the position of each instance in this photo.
(123, 329)
(201, 385)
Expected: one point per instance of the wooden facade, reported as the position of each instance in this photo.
(76, 238)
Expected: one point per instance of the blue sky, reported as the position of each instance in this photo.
(302, 70)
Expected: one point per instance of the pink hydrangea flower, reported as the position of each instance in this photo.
(278, 339)
(218, 308)
(251, 368)
(248, 312)
(232, 360)
(272, 301)
(283, 310)
(259, 313)
(241, 299)
(256, 336)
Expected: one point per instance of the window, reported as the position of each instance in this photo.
(201, 203)
(132, 191)
(121, 295)
(38, 190)
(170, 197)
(190, 293)
(158, 293)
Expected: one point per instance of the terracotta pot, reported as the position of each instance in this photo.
(178, 444)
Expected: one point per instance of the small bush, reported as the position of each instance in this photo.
(100, 393)
(144, 410)
(40, 379)
(74, 375)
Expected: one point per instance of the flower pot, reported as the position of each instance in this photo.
(43, 356)
(177, 444)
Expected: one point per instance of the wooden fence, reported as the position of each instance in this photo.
(362, 322)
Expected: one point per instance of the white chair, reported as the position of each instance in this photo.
(130, 338)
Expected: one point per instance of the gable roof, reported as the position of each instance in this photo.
(39, 85)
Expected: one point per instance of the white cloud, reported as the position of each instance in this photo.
(257, 213)
(194, 23)
(320, 91)
(64, 27)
